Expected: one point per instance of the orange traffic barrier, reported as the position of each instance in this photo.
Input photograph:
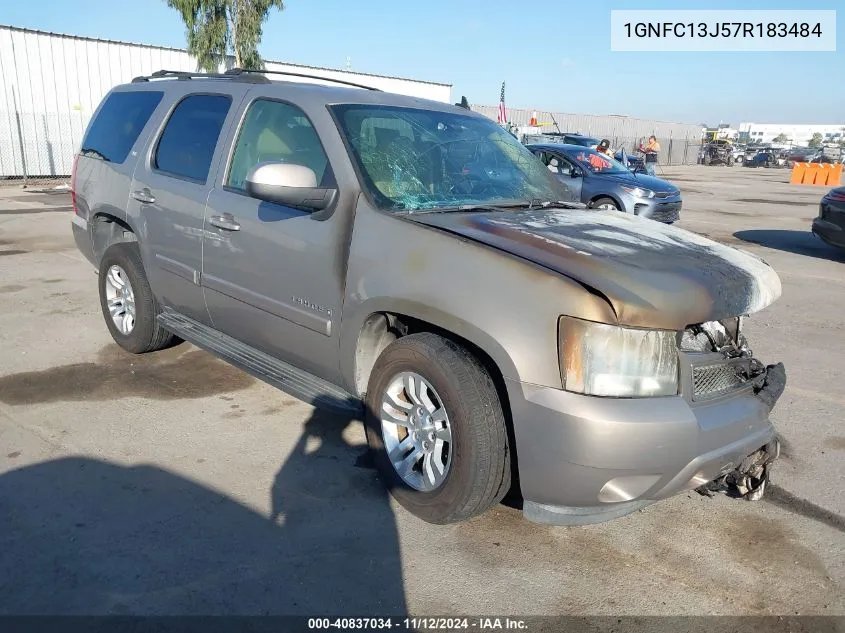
(798, 170)
(816, 174)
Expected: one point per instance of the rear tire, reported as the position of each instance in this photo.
(477, 474)
(121, 264)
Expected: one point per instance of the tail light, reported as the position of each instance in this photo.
(73, 184)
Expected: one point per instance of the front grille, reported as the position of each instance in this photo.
(666, 213)
(710, 381)
(664, 194)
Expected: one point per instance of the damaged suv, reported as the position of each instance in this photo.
(412, 263)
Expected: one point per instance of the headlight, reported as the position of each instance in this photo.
(639, 192)
(608, 360)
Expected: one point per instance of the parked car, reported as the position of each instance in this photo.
(830, 223)
(411, 263)
(718, 152)
(604, 183)
(768, 158)
(800, 154)
(562, 137)
(634, 162)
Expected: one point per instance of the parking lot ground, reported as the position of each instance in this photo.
(173, 483)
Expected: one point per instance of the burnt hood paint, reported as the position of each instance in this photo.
(653, 275)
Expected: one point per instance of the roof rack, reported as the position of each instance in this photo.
(183, 75)
(247, 75)
(248, 72)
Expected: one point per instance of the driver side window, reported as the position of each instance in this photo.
(277, 132)
(559, 165)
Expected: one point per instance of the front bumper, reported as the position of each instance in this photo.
(584, 459)
(665, 210)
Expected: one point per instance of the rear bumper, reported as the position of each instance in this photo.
(82, 237)
(584, 459)
(831, 233)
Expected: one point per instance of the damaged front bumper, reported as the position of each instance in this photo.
(749, 480)
(585, 459)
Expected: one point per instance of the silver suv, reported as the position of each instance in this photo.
(412, 263)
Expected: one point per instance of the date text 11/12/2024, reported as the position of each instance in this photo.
(418, 624)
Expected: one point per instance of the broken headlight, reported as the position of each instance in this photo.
(607, 360)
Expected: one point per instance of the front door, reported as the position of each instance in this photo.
(273, 275)
(168, 195)
(567, 172)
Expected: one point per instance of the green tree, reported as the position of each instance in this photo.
(217, 28)
(816, 141)
(780, 138)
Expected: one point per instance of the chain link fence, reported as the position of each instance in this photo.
(38, 147)
(673, 151)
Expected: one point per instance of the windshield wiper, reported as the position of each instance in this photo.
(528, 205)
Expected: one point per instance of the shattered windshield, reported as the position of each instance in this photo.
(596, 162)
(412, 159)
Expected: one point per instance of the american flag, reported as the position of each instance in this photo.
(502, 117)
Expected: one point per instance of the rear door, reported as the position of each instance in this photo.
(170, 189)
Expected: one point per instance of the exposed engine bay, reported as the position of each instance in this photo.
(725, 338)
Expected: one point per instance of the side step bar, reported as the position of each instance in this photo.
(296, 382)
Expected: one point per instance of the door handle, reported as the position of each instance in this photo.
(144, 195)
(226, 222)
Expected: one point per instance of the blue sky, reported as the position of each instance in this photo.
(553, 54)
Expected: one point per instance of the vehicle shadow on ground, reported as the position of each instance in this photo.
(798, 242)
(85, 536)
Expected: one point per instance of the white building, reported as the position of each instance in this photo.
(797, 135)
(51, 83)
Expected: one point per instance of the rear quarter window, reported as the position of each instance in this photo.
(187, 143)
(118, 124)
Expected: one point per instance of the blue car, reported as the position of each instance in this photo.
(602, 182)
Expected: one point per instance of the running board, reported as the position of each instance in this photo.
(285, 377)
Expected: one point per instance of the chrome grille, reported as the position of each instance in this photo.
(664, 194)
(709, 381)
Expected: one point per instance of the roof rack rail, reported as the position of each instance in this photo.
(183, 75)
(251, 72)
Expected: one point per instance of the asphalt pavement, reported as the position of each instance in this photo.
(173, 483)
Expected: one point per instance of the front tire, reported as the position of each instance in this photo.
(436, 428)
(608, 204)
(128, 304)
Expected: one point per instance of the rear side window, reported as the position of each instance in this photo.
(187, 143)
(119, 123)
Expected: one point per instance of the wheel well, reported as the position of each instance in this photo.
(382, 328)
(106, 230)
(605, 195)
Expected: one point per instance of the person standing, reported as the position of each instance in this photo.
(651, 150)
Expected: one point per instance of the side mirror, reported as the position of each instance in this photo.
(575, 173)
(289, 185)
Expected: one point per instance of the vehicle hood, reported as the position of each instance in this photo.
(639, 180)
(653, 275)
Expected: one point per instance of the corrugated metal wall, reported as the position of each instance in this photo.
(679, 142)
(52, 83)
(602, 126)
